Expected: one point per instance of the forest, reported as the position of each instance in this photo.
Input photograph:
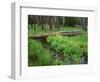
(57, 40)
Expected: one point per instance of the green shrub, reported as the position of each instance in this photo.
(56, 42)
(72, 47)
(37, 54)
(57, 62)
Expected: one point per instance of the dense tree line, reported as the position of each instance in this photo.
(56, 22)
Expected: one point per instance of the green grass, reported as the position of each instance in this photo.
(73, 48)
(37, 55)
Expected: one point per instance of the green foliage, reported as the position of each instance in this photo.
(37, 54)
(72, 47)
(57, 62)
(55, 40)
